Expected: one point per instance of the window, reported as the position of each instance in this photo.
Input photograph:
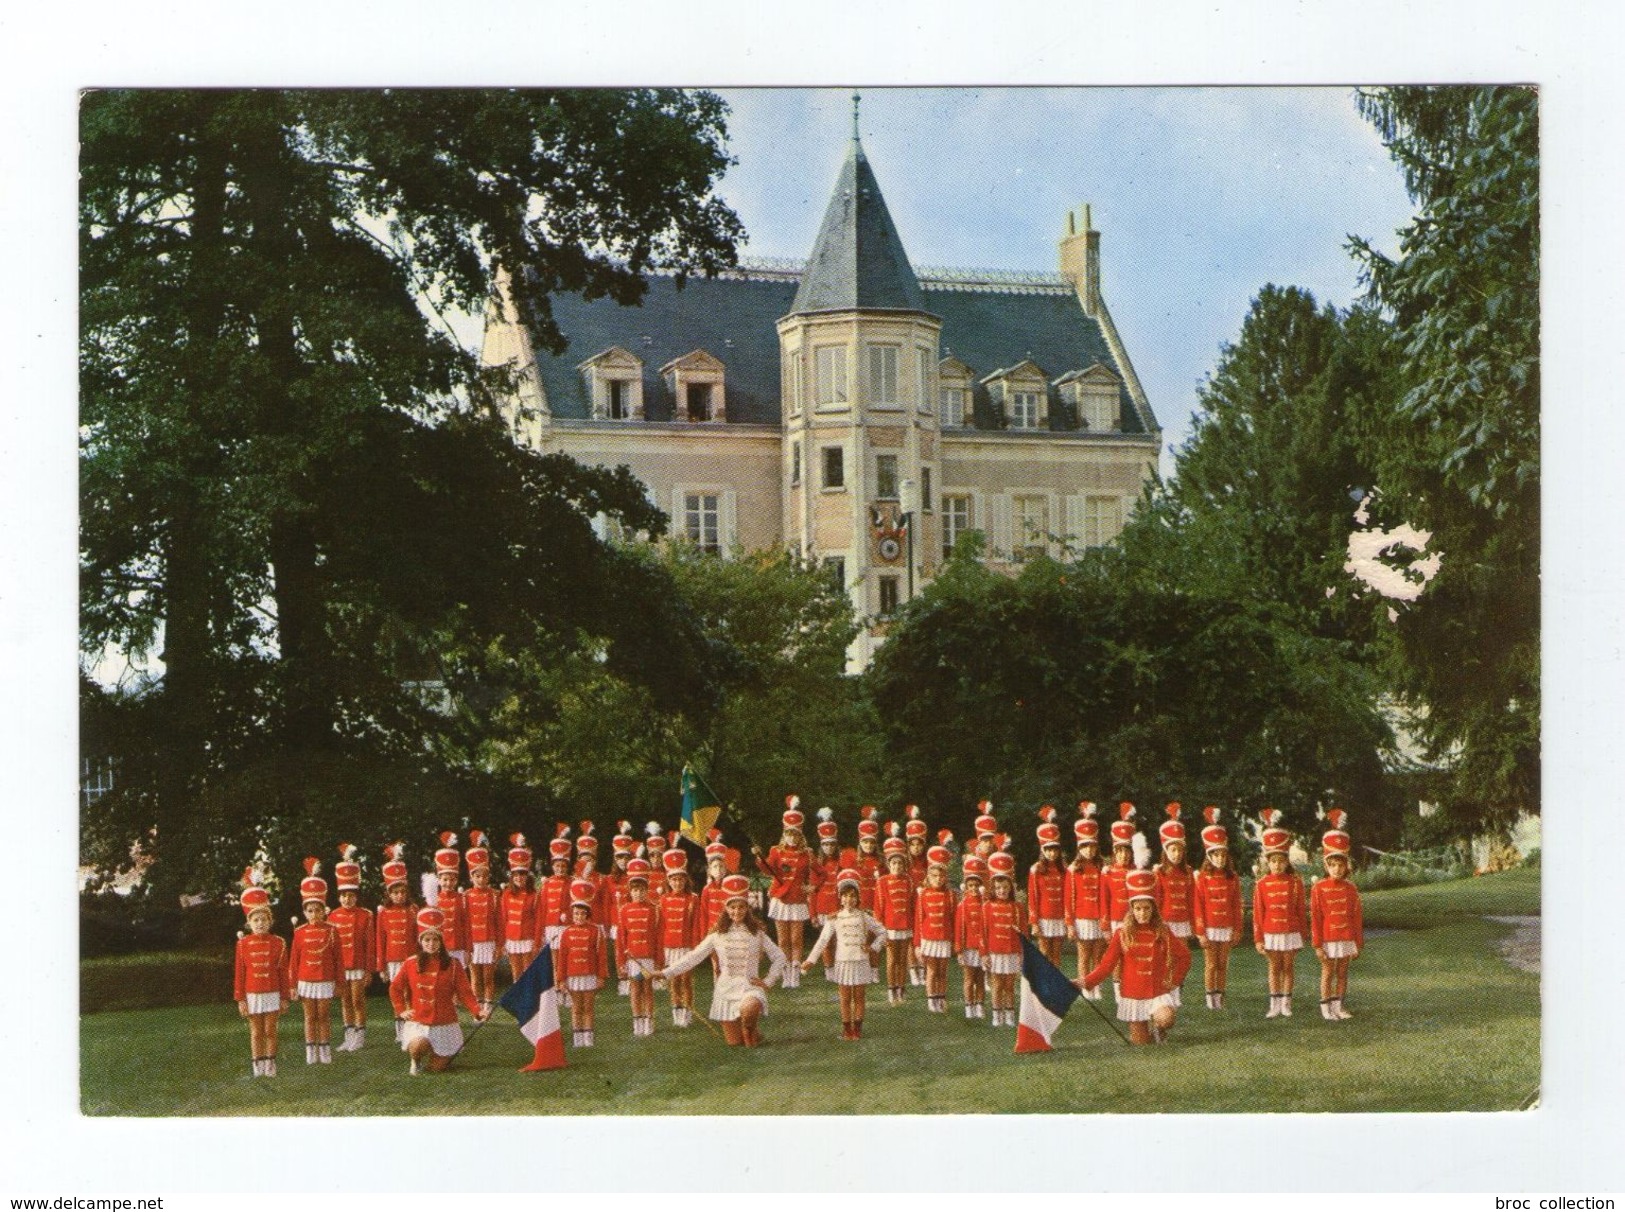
(956, 520)
(835, 568)
(1032, 527)
(795, 463)
(886, 477)
(831, 374)
(888, 596)
(698, 401)
(834, 467)
(952, 405)
(702, 521)
(1024, 410)
(883, 374)
(620, 399)
(1102, 520)
(926, 503)
(614, 382)
(927, 365)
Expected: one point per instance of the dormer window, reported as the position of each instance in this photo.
(954, 380)
(696, 383)
(1023, 390)
(614, 381)
(1095, 394)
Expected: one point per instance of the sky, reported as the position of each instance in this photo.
(1202, 196)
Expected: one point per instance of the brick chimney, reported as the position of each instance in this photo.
(1080, 258)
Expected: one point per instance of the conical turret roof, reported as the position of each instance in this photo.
(858, 261)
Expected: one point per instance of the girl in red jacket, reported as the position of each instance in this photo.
(356, 948)
(867, 861)
(1150, 962)
(260, 982)
(1175, 882)
(1005, 921)
(1336, 924)
(516, 909)
(1046, 889)
(315, 966)
(1216, 908)
(969, 929)
(553, 897)
(395, 923)
(934, 920)
(894, 910)
(425, 993)
(1086, 893)
(637, 946)
(679, 932)
(581, 961)
(481, 905)
(448, 898)
(1279, 919)
(789, 865)
(1116, 875)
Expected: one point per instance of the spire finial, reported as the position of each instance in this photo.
(856, 97)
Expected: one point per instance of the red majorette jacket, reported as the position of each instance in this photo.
(1046, 892)
(315, 955)
(1004, 922)
(1085, 901)
(454, 934)
(790, 870)
(894, 902)
(713, 900)
(356, 947)
(869, 868)
(432, 993)
(1115, 893)
(826, 897)
(395, 927)
(484, 925)
(917, 868)
(1217, 902)
(1278, 906)
(637, 933)
(679, 919)
(516, 911)
(1152, 964)
(1334, 913)
(969, 927)
(581, 951)
(1175, 887)
(262, 967)
(934, 914)
(553, 903)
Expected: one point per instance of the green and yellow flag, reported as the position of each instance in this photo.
(701, 808)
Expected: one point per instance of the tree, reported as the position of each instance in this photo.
(294, 486)
(1458, 454)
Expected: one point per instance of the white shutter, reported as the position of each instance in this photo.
(999, 532)
(1074, 523)
(727, 521)
(679, 505)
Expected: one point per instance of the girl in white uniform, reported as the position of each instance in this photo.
(850, 929)
(739, 995)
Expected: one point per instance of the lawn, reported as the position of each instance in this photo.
(1442, 1023)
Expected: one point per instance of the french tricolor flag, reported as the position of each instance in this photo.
(533, 1000)
(1046, 996)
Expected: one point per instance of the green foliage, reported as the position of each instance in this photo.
(295, 489)
(1458, 454)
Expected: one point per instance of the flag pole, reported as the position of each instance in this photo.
(468, 1039)
(1112, 1023)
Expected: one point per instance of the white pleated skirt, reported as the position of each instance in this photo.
(1220, 934)
(1341, 949)
(778, 911)
(264, 1003)
(1179, 929)
(1004, 964)
(1283, 942)
(730, 995)
(1052, 927)
(444, 1040)
(970, 958)
(852, 972)
(316, 990)
(1139, 1009)
(485, 953)
(1088, 930)
(935, 948)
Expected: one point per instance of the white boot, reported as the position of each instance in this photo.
(1338, 1011)
(1275, 1006)
(1286, 1005)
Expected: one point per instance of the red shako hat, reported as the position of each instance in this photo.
(313, 887)
(735, 888)
(519, 855)
(253, 896)
(1086, 828)
(715, 848)
(914, 825)
(1214, 837)
(1172, 830)
(868, 826)
(638, 869)
(478, 853)
(1123, 826)
(894, 843)
(394, 867)
(1001, 863)
(975, 867)
(446, 858)
(793, 818)
(1276, 839)
(848, 878)
(560, 847)
(827, 830)
(623, 842)
(986, 823)
(586, 843)
(1336, 840)
(431, 919)
(653, 838)
(1141, 884)
(582, 892)
(347, 872)
(674, 860)
(1049, 833)
(939, 856)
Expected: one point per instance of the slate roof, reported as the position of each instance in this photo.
(858, 259)
(985, 325)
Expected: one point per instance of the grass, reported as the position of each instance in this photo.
(1442, 1024)
(1514, 893)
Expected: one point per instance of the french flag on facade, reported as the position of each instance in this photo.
(534, 1001)
(1046, 996)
